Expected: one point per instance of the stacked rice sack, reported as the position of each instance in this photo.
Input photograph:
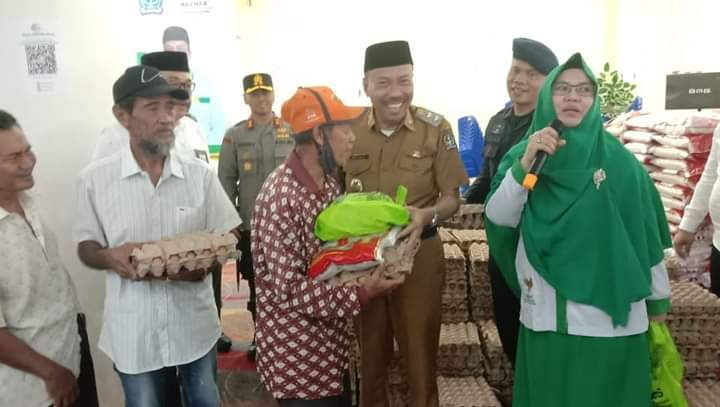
(190, 251)
(674, 148)
(360, 231)
(694, 321)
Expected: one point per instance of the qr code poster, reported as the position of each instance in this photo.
(41, 58)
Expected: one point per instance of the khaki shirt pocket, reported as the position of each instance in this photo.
(247, 156)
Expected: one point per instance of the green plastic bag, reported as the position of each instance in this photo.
(362, 213)
(666, 368)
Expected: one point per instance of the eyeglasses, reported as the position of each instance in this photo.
(582, 90)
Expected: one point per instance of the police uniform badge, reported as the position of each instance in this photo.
(449, 140)
(258, 80)
(247, 166)
(151, 7)
(355, 185)
(282, 134)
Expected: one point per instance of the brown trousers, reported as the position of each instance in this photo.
(411, 314)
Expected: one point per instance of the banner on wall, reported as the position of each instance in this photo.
(41, 58)
(155, 7)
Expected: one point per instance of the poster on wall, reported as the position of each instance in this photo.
(190, 26)
(41, 57)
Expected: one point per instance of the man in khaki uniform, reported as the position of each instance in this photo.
(250, 151)
(401, 144)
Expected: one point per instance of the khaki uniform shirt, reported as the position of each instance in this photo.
(421, 154)
(249, 153)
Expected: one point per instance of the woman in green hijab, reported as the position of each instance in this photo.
(583, 250)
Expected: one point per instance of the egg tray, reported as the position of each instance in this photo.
(397, 260)
(191, 251)
(497, 365)
(460, 352)
(454, 262)
(468, 216)
(466, 392)
(702, 393)
(690, 299)
(452, 313)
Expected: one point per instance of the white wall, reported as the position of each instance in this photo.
(658, 37)
(462, 51)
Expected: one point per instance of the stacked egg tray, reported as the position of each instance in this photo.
(498, 368)
(398, 391)
(468, 216)
(460, 351)
(465, 392)
(702, 393)
(694, 321)
(481, 301)
(454, 305)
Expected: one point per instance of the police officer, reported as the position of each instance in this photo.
(531, 62)
(250, 151)
(401, 144)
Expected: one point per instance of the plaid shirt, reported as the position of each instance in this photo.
(301, 324)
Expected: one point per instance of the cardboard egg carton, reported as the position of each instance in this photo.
(468, 216)
(397, 259)
(446, 235)
(499, 370)
(190, 251)
(690, 299)
(696, 340)
(701, 369)
(454, 291)
(673, 264)
(465, 392)
(454, 312)
(478, 257)
(699, 324)
(454, 262)
(466, 237)
(702, 393)
(460, 352)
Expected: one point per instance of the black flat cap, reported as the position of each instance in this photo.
(167, 61)
(144, 81)
(535, 53)
(384, 54)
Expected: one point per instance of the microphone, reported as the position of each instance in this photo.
(532, 176)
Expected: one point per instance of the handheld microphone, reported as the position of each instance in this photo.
(532, 176)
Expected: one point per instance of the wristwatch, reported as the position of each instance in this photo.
(435, 218)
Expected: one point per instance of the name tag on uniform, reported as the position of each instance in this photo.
(360, 156)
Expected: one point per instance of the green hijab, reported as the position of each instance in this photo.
(594, 240)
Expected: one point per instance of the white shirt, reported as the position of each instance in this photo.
(706, 198)
(538, 302)
(151, 324)
(189, 140)
(38, 303)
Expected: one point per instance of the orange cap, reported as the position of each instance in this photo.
(313, 106)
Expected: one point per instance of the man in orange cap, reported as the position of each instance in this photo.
(301, 323)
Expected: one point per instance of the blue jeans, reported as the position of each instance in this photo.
(197, 380)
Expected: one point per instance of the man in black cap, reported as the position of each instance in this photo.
(250, 151)
(190, 141)
(532, 61)
(401, 144)
(153, 327)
